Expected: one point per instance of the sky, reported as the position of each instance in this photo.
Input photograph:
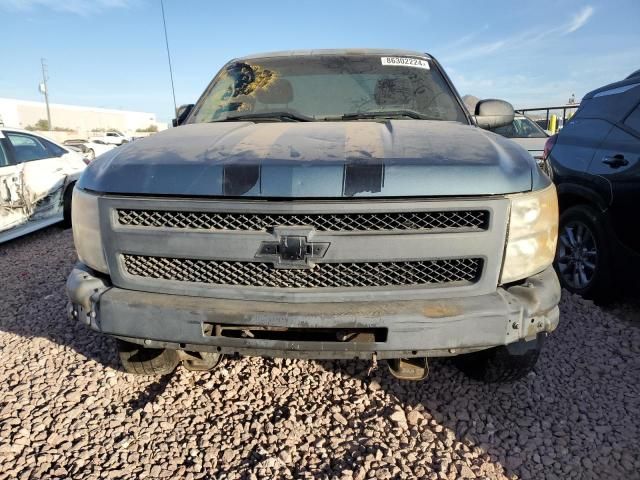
(111, 53)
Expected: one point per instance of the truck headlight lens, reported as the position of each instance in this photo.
(533, 232)
(85, 219)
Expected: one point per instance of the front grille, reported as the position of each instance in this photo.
(323, 275)
(457, 220)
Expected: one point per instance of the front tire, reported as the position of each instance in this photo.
(146, 361)
(501, 364)
(583, 257)
(201, 361)
(66, 206)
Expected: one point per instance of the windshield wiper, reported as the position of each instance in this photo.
(282, 116)
(384, 114)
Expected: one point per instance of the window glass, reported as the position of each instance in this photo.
(508, 131)
(616, 91)
(327, 87)
(633, 120)
(27, 147)
(3, 158)
(521, 128)
(55, 150)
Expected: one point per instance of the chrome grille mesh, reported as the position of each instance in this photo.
(327, 222)
(323, 275)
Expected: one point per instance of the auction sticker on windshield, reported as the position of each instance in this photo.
(405, 62)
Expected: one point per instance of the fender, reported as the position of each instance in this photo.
(590, 196)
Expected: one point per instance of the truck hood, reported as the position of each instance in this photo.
(395, 158)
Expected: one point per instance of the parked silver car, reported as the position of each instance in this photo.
(526, 133)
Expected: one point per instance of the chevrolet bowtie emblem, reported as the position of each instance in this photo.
(292, 251)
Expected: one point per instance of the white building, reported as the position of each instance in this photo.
(82, 121)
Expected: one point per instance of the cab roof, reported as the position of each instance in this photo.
(339, 51)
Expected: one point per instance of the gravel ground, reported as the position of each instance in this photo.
(67, 411)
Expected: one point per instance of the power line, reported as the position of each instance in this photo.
(166, 41)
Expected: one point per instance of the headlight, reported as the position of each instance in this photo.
(533, 232)
(86, 230)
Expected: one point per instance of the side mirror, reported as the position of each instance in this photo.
(182, 114)
(493, 113)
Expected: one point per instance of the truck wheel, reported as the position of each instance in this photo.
(583, 255)
(146, 361)
(202, 361)
(501, 364)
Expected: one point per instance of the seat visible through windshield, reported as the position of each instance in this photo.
(323, 87)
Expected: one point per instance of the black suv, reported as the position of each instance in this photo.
(596, 167)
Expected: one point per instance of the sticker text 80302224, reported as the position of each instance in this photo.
(405, 62)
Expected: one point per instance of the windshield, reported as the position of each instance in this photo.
(328, 87)
(521, 128)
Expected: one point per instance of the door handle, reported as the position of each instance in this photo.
(616, 161)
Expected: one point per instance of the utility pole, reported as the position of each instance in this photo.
(45, 90)
(166, 41)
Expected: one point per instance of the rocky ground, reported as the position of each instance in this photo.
(67, 411)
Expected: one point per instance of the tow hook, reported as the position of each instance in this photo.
(409, 368)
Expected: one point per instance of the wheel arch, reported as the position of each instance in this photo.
(66, 208)
(570, 195)
(69, 187)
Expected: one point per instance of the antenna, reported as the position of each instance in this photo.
(45, 90)
(166, 41)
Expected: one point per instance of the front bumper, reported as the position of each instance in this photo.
(413, 328)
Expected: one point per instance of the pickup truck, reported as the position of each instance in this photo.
(112, 137)
(336, 204)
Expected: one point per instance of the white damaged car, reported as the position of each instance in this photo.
(89, 149)
(36, 181)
